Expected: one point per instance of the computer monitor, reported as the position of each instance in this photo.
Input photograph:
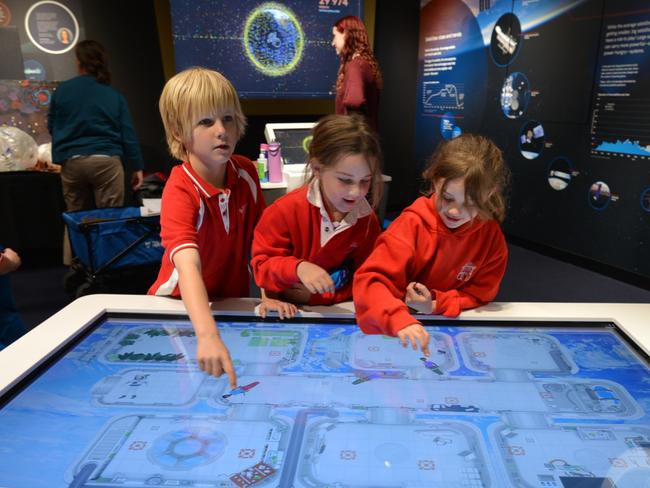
(294, 138)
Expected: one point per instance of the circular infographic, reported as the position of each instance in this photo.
(531, 139)
(185, 449)
(506, 39)
(515, 94)
(52, 27)
(273, 39)
(34, 71)
(645, 199)
(559, 173)
(599, 195)
(448, 128)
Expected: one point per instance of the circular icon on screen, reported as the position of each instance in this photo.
(273, 39)
(559, 173)
(531, 139)
(599, 195)
(645, 199)
(515, 94)
(185, 449)
(306, 142)
(448, 128)
(56, 36)
(506, 39)
(34, 70)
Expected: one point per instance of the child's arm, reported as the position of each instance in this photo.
(482, 286)
(366, 245)
(274, 266)
(271, 301)
(354, 97)
(380, 286)
(211, 353)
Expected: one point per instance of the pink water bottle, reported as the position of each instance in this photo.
(275, 162)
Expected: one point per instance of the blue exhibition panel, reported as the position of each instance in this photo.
(320, 404)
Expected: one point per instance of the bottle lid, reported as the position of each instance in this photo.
(264, 146)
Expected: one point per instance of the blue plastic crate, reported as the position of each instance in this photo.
(98, 236)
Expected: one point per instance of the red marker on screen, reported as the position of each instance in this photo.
(241, 389)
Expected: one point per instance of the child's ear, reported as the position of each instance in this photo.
(177, 135)
(315, 167)
(438, 185)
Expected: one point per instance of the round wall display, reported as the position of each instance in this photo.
(52, 27)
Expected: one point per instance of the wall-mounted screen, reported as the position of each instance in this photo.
(319, 403)
(266, 49)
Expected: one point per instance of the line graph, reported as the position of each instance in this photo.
(450, 96)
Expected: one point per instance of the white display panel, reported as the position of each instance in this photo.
(501, 403)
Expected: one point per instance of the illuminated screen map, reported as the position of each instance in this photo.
(320, 404)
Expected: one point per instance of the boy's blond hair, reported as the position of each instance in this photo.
(196, 92)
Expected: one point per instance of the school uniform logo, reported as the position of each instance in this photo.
(466, 272)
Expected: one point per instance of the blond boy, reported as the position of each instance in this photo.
(210, 206)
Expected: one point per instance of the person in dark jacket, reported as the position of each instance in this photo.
(93, 136)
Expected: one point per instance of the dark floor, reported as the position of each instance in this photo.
(530, 277)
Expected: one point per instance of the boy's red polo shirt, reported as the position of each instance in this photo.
(217, 222)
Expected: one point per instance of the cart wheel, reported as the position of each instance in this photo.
(86, 289)
(73, 279)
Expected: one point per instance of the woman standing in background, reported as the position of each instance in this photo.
(359, 81)
(92, 136)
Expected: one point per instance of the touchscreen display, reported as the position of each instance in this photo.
(295, 144)
(320, 404)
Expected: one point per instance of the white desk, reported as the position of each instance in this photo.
(40, 343)
(320, 404)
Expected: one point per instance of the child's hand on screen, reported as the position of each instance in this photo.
(213, 357)
(416, 336)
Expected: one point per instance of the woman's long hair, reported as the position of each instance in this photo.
(356, 44)
(92, 60)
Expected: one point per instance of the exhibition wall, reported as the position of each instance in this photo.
(557, 84)
(561, 86)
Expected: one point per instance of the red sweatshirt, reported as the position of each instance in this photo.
(360, 91)
(297, 228)
(462, 267)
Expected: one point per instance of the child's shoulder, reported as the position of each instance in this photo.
(242, 162)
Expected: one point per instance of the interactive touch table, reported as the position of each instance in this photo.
(107, 393)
